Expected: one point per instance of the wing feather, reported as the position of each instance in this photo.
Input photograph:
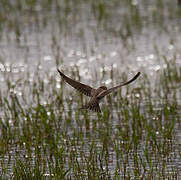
(105, 93)
(85, 89)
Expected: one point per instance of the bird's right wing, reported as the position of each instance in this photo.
(105, 93)
(85, 89)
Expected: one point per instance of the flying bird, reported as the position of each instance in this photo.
(95, 94)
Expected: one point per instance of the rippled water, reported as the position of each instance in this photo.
(143, 49)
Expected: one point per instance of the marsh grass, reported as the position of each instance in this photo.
(48, 137)
(16, 16)
(44, 134)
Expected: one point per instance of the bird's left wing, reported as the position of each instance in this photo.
(85, 89)
(116, 87)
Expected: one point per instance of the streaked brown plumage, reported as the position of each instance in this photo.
(95, 94)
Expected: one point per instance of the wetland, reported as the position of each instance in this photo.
(43, 132)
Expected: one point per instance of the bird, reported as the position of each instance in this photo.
(96, 94)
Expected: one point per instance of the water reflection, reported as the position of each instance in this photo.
(47, 58)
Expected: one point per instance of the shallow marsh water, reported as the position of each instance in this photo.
(44, 134)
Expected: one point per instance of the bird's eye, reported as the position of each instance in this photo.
(99, 97)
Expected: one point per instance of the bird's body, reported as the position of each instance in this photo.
(95, 94)
(94, 101)
(99, 91)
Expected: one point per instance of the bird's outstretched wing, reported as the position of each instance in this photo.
(85, 89)
(116, 87)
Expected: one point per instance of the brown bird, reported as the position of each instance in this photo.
(95, 94)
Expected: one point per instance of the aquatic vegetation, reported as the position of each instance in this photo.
(44, 134)
(48, 136)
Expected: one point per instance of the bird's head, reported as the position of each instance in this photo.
(103, 87)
